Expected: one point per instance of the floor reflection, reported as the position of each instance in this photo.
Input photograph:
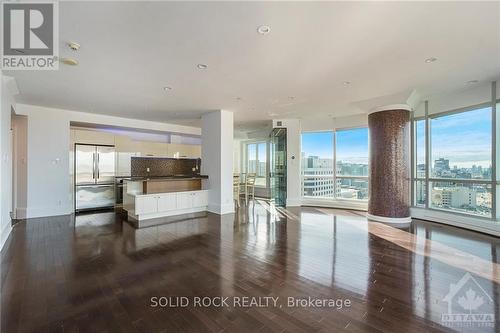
(64, 270)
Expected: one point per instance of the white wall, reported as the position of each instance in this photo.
(237, 156)
(293, 148)
(8, 89)
(48, 170)
(217, 159)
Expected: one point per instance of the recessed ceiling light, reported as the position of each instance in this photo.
(74, 46)
(346, 83)
(167, 88)
(202, 66)
(429, 60)
(263, 29)
(472, 81)
(69, 61)
(272, 114)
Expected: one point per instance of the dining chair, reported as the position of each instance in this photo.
(236, 189)
(250, 185)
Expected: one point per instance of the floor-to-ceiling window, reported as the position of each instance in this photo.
(256, 161)
(460, 173)
(351, 152)
(453, 161)
(317, 164)
(347, 150)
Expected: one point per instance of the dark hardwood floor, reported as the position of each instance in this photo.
(96, 273)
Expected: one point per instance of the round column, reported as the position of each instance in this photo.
(389, 164)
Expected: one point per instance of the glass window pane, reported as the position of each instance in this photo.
(352, 152)
(420, 193)
(351, 188)
(252, 158)
(317, 164)
(420, 148)
(261, 164)
(462, 197)
(461, 145)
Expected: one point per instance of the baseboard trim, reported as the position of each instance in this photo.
(6, 231)
(385, 219)
(21, 213)
(293, 202)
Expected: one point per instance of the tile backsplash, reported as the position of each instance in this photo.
(159, 166)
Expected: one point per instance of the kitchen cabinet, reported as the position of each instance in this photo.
(200, 198)
(93, 137)
(146, 204)
(169, 203)
(184, 200)
(153, 149)
(125, 148)
(181, 150)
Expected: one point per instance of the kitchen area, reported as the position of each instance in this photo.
(153, 176)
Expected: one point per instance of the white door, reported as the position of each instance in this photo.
(146, 205)
(200, 199)
(184, 200)
(167, 202)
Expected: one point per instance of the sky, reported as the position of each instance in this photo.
(463, 138)
(352, 145)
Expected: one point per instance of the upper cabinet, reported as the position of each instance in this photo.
(182, 151)
(126, 146)
(92, 137)
(153, 149)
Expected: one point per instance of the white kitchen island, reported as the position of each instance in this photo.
(177, 203)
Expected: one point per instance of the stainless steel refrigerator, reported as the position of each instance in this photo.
(94, 177)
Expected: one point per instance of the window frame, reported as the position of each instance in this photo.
(334, 176)
(428, 180)
(246, 144)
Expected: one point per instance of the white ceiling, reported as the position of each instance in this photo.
(131, 50)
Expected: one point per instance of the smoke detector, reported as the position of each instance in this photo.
(74, 46)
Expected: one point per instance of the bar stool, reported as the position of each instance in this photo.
(250, 185)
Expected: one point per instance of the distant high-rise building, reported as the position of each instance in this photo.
(441, 165)
(324, 185)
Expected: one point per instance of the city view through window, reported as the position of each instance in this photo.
(460, 170)
(351, 155)
(257, 161)
(461, 162)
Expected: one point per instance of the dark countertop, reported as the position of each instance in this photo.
(163, 178)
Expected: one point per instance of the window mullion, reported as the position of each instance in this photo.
(427, 155)
(334, 144)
